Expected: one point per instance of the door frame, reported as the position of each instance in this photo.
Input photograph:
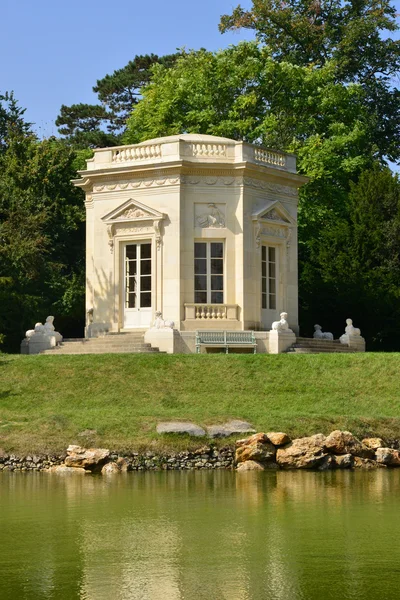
(147, 310)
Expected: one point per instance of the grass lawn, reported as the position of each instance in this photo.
(46, 401)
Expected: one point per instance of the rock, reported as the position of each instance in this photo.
(231, 428)
(256, 448)
(303, 453)
(91, 459)
(122, 464)
(110, 468)
(181, 427)
(388, 456)
(344, 442)
(258, 437)
(63, 469)
(373, 443)
(250, 465)
(277, 438)
(366, 463)
(344, 461)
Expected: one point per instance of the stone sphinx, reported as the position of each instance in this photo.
(352, 337)
(161, 323)
(42, 337)
(322, 335)
(281, 325)
(350, 331)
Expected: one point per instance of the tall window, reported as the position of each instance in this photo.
(268, 277)
(209, 272)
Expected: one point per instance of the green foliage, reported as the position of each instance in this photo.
(41, 235)
(309, 32)
(11, 119)
(101, 125)
(353, 267)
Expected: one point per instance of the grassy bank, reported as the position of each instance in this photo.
(46, 401)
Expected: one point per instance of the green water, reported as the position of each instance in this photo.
(200, 535)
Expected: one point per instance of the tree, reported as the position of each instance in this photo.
(353, 267)
(314, 32)
(41, 235)
(11, 119)
(100, 125)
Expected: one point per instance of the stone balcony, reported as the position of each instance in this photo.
(211, 316)
(190, 148)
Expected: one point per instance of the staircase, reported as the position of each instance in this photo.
(313, 346)
(111, 343)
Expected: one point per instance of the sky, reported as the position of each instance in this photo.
(54, 51)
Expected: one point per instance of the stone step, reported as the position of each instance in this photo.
(62, 351)
(311, 350)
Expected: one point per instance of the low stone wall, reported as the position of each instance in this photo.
(262, 451)
(207, 457)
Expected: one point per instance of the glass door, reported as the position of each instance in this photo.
(137, 285)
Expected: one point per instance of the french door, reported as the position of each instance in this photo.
(137, 285)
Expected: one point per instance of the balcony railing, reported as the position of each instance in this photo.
(211, 312)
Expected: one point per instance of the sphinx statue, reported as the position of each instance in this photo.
(350, 332)
(281, 325)
(321, 335)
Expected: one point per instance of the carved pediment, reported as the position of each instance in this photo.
(132, 210)
(133, 217)
(275, 212)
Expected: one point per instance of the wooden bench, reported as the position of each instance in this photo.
(225, 339)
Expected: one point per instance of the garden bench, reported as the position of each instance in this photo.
(225, 339)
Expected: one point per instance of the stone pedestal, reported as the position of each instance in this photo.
(280, 341)
(355, 342)
(163, 339)
(37, 343)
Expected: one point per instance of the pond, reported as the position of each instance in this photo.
(200, 535)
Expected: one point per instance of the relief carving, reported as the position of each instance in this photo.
(212, 219)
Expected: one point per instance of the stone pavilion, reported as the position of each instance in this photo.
(202, 229)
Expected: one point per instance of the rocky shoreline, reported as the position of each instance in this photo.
(261, 451)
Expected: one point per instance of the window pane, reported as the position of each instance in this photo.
(272, 286)
(217, 250)
(145, 284)
(264, 285)
(145, 267)
(263, 269)
(217, 266)
(217, 297)
(131, 267)
(200, 297)
(264, 300)
(145, 300)
(271, 254)
(131, 303)
(200, 266)
(200, 250)
(131, 251)
(131, 284)
(145, 251)
(200, 283)
(217, 282)
(272, 301)
(272, 270)
(263, 253)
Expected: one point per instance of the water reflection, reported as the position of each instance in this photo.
(194, 536)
